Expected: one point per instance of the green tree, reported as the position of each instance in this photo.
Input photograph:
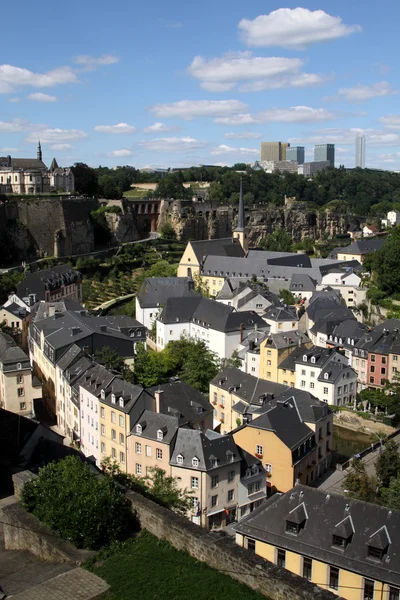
(167, 231)
(278, 241)
(387, 264)
(195, 363)
(76, 504)
(110, 358)
(360, 485)
(109, 188)
(391, 494)
(200, 285)
(234, 360)
(162, 268)
(86, 182)
(388, 464)
(287, 297)
(149, 368)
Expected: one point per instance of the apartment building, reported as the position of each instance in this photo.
(274, 349)
(252, 490)
(323, 372)
(359, 249)
(346, 546)
(290, 450)
(247, 295)
(51, 284)
(348, 284)
(281, 319)
(376, 355)
(18, 389)
(209, 465)
(196, 252)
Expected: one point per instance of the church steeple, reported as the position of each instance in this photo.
(240, 229)
(39, 151)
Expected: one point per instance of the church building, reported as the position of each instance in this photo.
(31, 176)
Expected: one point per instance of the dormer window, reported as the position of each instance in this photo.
(195, 461)
(378, 544)
(19, 366)
(179, 459)
(296, 519)
(292, 527)
(121, 402)
(138, 429)
(326, 375)
(339, 542)
(113, 399)
(305, 358)
(313, 359)
(103, 394)
(214, 462)
(160, 435)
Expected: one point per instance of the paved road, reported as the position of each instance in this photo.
(333, 482)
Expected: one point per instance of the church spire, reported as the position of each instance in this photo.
(240, 229)
(39, 151)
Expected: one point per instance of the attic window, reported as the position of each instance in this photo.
(160, 435)
(179, 459)
(113, 399)
(214, 462)
(292, 527)
(339, 542)
(121, 402)
(375, 553)
(195, 461)
(102, 395)
(378, 544)
(19, 366)
(313, 359)
(305, 358)
(326, 375)
(138, 429)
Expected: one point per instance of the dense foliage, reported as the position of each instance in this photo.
(76, 504)
(187, 358)
(386, 265)
(8, 284)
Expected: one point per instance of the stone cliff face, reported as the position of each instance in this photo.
(203, 220)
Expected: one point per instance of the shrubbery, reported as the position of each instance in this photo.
(89, 511)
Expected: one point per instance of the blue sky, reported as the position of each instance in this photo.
(181, 83)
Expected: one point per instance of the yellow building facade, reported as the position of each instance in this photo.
(273, 352)
(114, 429)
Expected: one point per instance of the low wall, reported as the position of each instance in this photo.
(216, 549)
(23, 531)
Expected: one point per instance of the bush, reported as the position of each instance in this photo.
(89, 511)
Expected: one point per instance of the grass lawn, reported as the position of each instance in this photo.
(150, 569)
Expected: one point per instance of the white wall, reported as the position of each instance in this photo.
(146, 316)
(282, 326)
(90, 426)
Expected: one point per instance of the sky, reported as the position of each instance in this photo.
(169, 84)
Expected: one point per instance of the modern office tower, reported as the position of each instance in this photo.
(360, 151)
(295, 153)
(273, 151)
(323, 152)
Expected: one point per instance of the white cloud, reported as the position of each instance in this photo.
(13, 77)
(360, 93)
(14, 126)
(190, 109)
(390, 121)
(295, 114)
(9, 150)
(172, 144)
(293, 28)
(157, 128)
(50, 136)
(172, 24)
(40, 97)
(260, 73)
(90, 63)
(115, 129)
(342, 136)
(119, 153)
(14, 100)
(223, 149)
(244, 135)
(61, 147)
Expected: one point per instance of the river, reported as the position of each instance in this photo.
(347, 443)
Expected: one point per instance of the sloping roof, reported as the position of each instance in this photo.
(47, 279)
(28, 163)
(54, 165)
(246, 387)
(191, 443)
(155, 291)
(277, 314)
(181, 399)
(220, 247)
(382, 339)
(285, 421)
(324, 511)
(302, 283)
(153, 422)
(10, 353)
(364, 246)
(69, 357)
(287, 339)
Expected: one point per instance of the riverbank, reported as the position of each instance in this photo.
(354, 422)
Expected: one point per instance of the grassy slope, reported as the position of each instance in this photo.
(149, 569)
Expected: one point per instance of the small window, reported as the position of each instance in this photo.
(259, 450)
(214, 501)
(121, 420)
(113, 434)
(214, 481)
(195, 462)
(307, 568)
(159, 454)
(179, 459)
(160, 435)
(194, 483)
(113, 453)
(339, 542)
(250, 544)
(394, 593)
(375, 552)
(281, 558)
(138, 448)
(121, 438)
(231, 495)
(368, 589)
(231, 476)
(22, 406)
(102, 412)
(113, 417)
(333, 578)
(121, 402)
(148, 450)
(138, 469)
(113, 399)
(19, 366)
(20, 392)
(103, 447)
(121, 457)
(138, 429)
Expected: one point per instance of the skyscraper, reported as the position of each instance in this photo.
(295, 153)
(360, 151)
(274, 151)
(324, 152)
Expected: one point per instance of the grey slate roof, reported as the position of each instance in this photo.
(28, 163)
(287, 339)
(363, 246)
(191, 443)
(373, 525)
(382, 339)
(47, 279)
(69, 357)
(274, 313)
(302, 283)
(152, 422)
(43, 310)
(245, 386)
(11, 354)
(220, 247)
(182, 400)
(155, 291)
(208, 313)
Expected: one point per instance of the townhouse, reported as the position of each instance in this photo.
(219, 326)
(348, 283)
(376, 355)
(51, 284)
(196, 252)
(18, 389)
(281, 319)
(346, 546)
(290, 450)
(324, 372)
(247, 295)
(208, 464)
(249, 352)
(252, 489)
(155, 291)
(273, 351)
(358, 250)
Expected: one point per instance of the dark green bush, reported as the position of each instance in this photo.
(89, 511)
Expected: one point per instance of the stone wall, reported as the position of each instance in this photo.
(205, 220)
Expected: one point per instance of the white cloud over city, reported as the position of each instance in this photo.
(117, 129)
(294, 28)
(172, 144)
(123, 152)
(361, 93)
(191, 109)
(40, 97)
(11, 78)
(229, 150)
(295, 114)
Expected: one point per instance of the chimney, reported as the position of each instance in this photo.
(241, 332)
(157, 396)
(251, 345)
